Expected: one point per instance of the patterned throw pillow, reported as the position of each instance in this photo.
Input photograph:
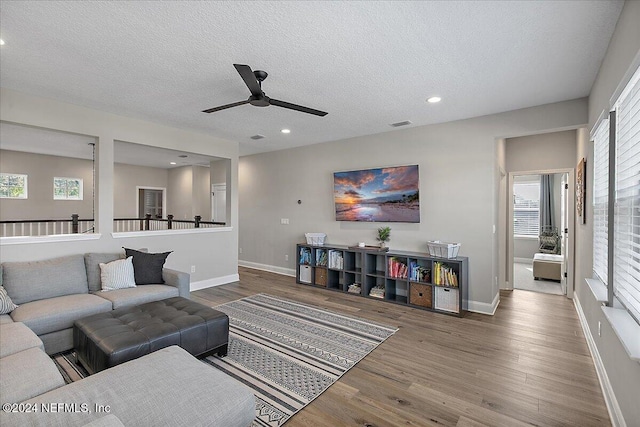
(6, 305)
(117, 275)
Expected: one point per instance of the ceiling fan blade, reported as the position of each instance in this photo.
(249, 79)
(296, 107)
(224, 107)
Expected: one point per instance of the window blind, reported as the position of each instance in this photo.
(526, 208)
(626, 280)
(600, 199)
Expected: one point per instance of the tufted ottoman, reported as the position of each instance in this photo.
(107, 339)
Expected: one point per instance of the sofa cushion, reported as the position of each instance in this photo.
(6, 305)
(16, 337)
(117, 274)
(5, 318)
(139, 295)
(59, 313)
(38, 280)
(92, 264)
(106, 421)
(147, 267)
(27, 374)
(191, 394)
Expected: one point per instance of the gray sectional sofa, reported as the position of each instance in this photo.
(167, 387)
(52, 294)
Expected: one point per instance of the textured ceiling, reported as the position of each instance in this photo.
(368, 64)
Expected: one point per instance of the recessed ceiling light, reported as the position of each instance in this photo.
(172, 163)
(1, 42)
(434, 99)
(285, 131)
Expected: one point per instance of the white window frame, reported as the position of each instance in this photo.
(25, 193)
(66, 196)
(528, 233)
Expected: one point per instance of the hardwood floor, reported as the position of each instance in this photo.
(527, 365)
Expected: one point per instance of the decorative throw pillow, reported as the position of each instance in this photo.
(117, 275)
(6, 305)
(147, 267)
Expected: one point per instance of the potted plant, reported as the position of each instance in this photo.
(384, 234)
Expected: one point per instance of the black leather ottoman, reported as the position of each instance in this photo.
(105, 340)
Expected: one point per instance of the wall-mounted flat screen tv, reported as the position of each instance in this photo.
(377, 195)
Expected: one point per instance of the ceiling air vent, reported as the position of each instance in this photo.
(258, 136)
(395, 125)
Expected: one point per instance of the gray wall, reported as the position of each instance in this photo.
(126, 179)
(554, 150)
(201, 193)
(214, 254)
(459, 177)
(623, 373)
(41, 169)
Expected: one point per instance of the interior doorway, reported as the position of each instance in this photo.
(151, 200)
(540, 221)
(219, 202)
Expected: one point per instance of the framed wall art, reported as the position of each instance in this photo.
(581, 190)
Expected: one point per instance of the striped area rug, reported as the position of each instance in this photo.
(286, 351)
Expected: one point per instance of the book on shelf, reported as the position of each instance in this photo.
(397, 269)
(444, 275)
(377, 292)
(354, 288)
(321, 258)
(418, 273)
(305, 256)
(336, 259)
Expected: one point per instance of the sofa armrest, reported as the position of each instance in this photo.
(178, 279)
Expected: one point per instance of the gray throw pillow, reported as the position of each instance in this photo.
(147, 267)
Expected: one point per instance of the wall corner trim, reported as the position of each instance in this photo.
(615, 413)
(485, 308)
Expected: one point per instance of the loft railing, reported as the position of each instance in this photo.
(46, 227)
(151, 224)
(76, 225)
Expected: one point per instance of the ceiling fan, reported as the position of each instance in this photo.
(253, 80)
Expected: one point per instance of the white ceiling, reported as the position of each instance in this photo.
(367, 63)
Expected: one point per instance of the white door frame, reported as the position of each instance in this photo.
(213, 199)
(164, 199)
(570, 224)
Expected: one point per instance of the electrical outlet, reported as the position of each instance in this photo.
(284, 221)
(286, 257)
(193, 268)
(240, 250)
(599, 329)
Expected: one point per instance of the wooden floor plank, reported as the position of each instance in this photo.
(526, 365)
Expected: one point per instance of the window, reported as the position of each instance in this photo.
(13, 186)
(67, 188)
(626, 236)
(618, 139)
(526, 208)
(600, 199)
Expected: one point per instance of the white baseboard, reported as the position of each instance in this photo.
(523, 260)
(476, 307)
(615, 413)
(270, 268)
(216, 281)
(485, 308)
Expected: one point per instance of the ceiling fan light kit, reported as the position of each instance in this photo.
(253, 80)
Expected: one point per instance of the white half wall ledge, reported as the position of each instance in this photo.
(125, 234)
(215, 281)
(626, 328)
(54, 238)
